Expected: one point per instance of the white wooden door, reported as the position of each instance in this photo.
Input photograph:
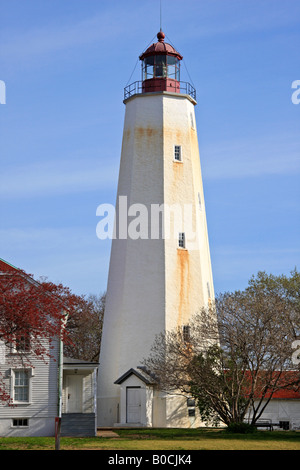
(133, 405)
(74, 394)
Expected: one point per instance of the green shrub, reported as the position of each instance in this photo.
(241, 428)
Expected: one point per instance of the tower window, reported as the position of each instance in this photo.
(192, 120)
(190, 402)
(181, 240)
(177, 153)
(186, 332)
(199, 201)
(208, 290)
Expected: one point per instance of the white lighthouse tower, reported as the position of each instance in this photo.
(160, 270)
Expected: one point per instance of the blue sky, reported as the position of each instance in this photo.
(65, 64)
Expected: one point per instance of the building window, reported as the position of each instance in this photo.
(23, 344)
(177, 153)
(181, 240)
(21, 386)
(20, 422)
(186, 332)
(191, 412)
(284, 425)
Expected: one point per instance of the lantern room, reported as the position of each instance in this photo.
(160, 67)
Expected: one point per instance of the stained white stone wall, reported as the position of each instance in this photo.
(153, 285)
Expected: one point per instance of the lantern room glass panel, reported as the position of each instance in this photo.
(161, 66)
(148, 68)
(173, 67)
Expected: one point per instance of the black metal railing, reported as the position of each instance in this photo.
(136, 88)
(133, 89)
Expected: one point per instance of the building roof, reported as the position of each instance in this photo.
(286, 394)
(160, 48)
(70, 363)
(289, 381)
(141, 374)
(6, 267)
(289, 378)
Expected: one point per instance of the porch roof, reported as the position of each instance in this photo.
(70, 363)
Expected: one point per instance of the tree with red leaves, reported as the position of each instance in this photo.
(84, 330)
(32, 315)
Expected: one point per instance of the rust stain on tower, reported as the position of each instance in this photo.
(183, 278)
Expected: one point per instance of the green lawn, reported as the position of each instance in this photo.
(164, 439)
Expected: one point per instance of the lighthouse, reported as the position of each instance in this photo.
(160, 269)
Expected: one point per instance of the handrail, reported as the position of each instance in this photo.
(136, 88)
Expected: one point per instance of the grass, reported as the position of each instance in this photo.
(163, 439)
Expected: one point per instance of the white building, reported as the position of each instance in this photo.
(157, 279)
(34, 396)
(46, 390)
(283, 410)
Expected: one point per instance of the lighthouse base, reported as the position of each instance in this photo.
(140, 404)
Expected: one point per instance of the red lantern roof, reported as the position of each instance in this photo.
(161, 48)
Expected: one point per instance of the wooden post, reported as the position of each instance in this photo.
(57, 433)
